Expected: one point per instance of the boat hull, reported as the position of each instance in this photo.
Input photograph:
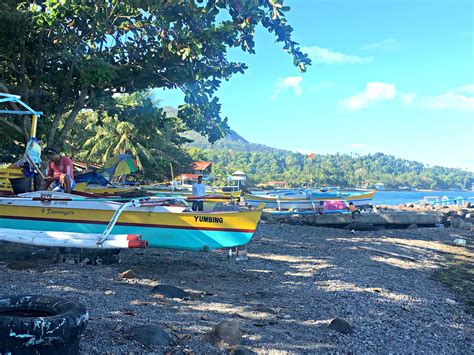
(302, 203)
(170, 228)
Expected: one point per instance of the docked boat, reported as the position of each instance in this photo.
(297, 199)
(162, 222)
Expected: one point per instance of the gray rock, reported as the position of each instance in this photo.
(170, 291)
(150, 335)
(458, 223)
(226, 332)
(341, 325)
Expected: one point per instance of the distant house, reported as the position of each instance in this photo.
(202, 168)
(237, 179)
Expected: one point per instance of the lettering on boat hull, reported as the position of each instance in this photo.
(208, 219)
(52, 211)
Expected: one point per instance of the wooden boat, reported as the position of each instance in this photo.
(305, 199)
(160, 222)
(104, 190)
(5, 175)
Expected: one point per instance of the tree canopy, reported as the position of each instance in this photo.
(64, 56)
(263, 164)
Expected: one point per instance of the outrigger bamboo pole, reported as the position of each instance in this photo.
(71, 240)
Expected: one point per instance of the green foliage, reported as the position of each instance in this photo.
(137, 127)
(65, 56)
(263, 164)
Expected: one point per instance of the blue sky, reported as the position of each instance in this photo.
(388, 76)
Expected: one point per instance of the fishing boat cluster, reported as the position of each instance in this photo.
(100, 214)
(96, 216)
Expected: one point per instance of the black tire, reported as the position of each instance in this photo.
(32, 324)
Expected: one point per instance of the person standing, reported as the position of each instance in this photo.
(199, 189)
(321, 207)
(60, 176)
(353, 209)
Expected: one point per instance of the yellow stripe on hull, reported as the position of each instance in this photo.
(242, 220)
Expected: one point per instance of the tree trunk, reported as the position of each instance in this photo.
(72, 116)
(54, 126)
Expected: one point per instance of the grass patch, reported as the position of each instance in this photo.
(458, 274)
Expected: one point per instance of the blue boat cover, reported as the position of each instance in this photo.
(92, 177)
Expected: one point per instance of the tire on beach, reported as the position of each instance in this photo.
(34, 324)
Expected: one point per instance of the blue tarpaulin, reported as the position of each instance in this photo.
(92, 177)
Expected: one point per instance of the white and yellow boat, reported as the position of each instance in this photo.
(161, 225)
(306, 199)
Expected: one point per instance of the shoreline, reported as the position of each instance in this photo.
(283, 297)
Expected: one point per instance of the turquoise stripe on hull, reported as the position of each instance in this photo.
(174, 238)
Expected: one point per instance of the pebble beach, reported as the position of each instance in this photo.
(280, 297)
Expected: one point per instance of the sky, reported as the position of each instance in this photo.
(390, 76)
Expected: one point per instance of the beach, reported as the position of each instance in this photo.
(282, 297)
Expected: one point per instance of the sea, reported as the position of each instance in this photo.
(400, 197)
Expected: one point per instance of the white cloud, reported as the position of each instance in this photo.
(373, 92)
(448, 100)
(327, 56)
(460, 98)
(389, 44)
(288, 82)
(466, 89)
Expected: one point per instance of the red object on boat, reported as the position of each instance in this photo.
(132, 244)
(133, 237)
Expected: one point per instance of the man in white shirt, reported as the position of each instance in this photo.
(199, 189)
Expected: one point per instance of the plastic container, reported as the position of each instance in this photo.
(21, 185)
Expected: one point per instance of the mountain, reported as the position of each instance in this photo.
(263, 164)
(232, 141)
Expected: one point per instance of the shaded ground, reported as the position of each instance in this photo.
(304, 276)
(457, 271)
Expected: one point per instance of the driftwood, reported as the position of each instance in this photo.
(388, 253)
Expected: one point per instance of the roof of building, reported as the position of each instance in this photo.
(201, 165)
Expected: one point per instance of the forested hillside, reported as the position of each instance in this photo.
(263, 164)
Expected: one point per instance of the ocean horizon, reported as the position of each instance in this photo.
(400, 197)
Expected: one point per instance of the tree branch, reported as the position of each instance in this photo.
(15, 127)
(72, 116)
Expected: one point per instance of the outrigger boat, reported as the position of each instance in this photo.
(305, 199)
(161, 222)
(58, 219)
